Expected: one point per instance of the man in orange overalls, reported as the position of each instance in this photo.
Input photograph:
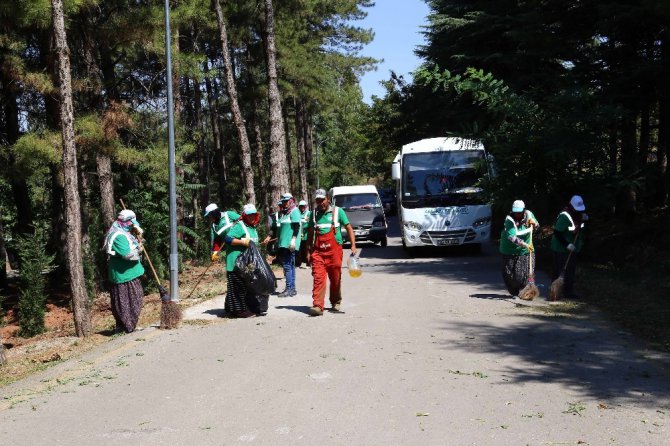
(324, 245)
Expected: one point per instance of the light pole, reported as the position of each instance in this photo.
(174, 254)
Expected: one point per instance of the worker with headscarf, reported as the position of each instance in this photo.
(123, 247)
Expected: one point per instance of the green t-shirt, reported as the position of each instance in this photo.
(123, 270)
(238, 232)
(568, 229)
(521, 230)
(324, 222)
(286, 231)
(304, 224)
(224, 225)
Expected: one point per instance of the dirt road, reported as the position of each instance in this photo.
(430, 351)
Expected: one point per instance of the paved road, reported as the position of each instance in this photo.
(430, 351)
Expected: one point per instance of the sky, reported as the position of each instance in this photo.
(397, 26)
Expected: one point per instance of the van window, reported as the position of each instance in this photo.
(358, 201)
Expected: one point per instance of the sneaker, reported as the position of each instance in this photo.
(315, 311)
(336, 307)
(294, 292)
(285, 293)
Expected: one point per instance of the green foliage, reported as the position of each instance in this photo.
(35, 264)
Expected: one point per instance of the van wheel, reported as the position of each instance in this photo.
(384, 242)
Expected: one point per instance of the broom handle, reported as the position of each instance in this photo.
(146, 254)
(200, 279)
(570, 253)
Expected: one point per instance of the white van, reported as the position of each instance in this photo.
(364, 211)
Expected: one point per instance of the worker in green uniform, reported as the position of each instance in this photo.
(122, 246)
(289, 242)
(516, 246)
(221, 223)
(301, 260)
(567, 242)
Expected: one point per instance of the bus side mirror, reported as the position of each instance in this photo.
(395, 171)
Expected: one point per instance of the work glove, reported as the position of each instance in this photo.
(291, 246)
(530, 247)
(246, 242)
(571, 247)
(215, 256)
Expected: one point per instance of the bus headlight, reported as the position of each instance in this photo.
(482, 222)
(412, 226)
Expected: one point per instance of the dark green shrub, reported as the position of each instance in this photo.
(35, 263)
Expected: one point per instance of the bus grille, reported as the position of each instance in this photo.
(448, 237)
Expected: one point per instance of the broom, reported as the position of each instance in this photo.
(556, 289)
(171, 315)
(530, 291)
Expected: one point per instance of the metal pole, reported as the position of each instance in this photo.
(174, 254)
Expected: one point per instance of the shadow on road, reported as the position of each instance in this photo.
(492, 296)
(299, 308)
(577, 353)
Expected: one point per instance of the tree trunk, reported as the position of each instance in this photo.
(247, 172)
(82, 319)
(19, 186)
(219, 157)
(309, 150)
(289, 152)
(106, 182)
(203, 152)
(261, 160)
(279, 182)
(664, 147)
(628, 149)
(300, 147)
(3, 259)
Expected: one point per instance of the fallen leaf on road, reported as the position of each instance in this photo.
(422, 414)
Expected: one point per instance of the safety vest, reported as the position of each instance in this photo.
(572, 226)
(335, 223)
(224, 227)
(109, 242)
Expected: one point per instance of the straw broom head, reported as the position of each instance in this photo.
(529, 292)
(556, 289)
(171, 315)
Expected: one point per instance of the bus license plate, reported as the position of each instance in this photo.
(448, 241)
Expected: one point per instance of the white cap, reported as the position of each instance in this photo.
(249, 209)
(210, 208)
(126, 215)
(518, 206)
(577, 203)
(285, 197)
(320, 193)
(302, 203)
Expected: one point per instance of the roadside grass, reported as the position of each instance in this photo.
(59, 343)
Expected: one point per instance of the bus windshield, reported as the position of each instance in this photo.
(449, 177)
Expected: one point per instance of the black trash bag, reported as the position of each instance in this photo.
(255, 271)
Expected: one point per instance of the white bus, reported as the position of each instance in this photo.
(440, 202)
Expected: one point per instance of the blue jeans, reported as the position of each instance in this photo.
(288, 263)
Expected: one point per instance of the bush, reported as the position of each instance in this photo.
(32, 283)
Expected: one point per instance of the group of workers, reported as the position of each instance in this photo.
(296, 236)
(294, 232)
(518, 250)
(314, 238)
